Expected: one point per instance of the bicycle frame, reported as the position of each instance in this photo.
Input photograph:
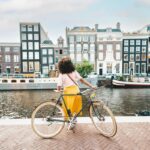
(61, 100)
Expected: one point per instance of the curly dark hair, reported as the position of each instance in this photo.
(65, 65)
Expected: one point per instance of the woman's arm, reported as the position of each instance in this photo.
(87, 83)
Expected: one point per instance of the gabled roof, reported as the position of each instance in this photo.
(81, 29)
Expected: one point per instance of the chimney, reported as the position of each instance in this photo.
(118, 25)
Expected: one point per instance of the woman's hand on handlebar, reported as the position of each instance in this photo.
(93, 87)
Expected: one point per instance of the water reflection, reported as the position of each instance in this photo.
(20, 104)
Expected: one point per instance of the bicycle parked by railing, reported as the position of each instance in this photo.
(48, 119)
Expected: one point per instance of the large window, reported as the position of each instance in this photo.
(71, 39)
(31, 67)
(25, 69)
(37, 66)
(36, 28)
(85, 56)
(92, 47)
(30, 55)
(131, 42)
(50, 59)
(131, 49)
(92, 38)
(138, 49)
(100, 46)
(50, 51)
(131, 57)
(118, 56)
(72, 47)
(85, 47)
(72, 56)
(126, 70)
(126, 49)
(92, 57)
(78, 57)
(23, 27)
(36, 45)
(24, 45)
(100, 56)
(36, 36)
(29, 27)
(137, 57)
(7, 49)
(137, 68)
(30, 45)
(16, 49)
(44, 60)
(45, 69)
(143, 49)
(30, 37)
(78, 38)
(44, 51)
(143, 57)
(109, 68)
(117, 46)
(24, 55)
(126, 42)
(143, 68)
(7, 58)
(24, 36)
(144, 42)
(85, 38)
(138, 42)
(16, 58)
(109, 47)
(125, 57)
(36, 55)
(78, 47)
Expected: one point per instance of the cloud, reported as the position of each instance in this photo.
(144, 2)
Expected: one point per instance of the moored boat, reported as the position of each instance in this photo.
(127, 84)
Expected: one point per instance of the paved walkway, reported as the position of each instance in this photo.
(130, 136)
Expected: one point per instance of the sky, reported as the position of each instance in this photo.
(56, 15)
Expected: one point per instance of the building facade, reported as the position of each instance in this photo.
(9, 58)
(109, 51)
(31, 36)
(81, 42)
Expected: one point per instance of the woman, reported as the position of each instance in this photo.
(67, 80)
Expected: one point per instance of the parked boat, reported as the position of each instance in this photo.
(127, 84)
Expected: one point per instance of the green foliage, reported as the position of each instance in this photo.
(84, 68)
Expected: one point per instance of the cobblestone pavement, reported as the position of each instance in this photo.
(130, 136)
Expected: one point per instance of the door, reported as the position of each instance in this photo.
(100, 71)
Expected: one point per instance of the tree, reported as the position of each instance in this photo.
(84, 68)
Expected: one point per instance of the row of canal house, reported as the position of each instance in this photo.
(110, 50)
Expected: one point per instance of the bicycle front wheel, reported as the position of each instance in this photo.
(47, 120)
(103, 119)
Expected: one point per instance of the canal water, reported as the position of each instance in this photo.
(126, 102)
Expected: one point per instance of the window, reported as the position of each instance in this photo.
(45, 69)
(143, 68)
(23, 27)
(44, 60)
(44, 51)
(109, 47)
(125, 57)
(126, 42)
(25, 69)
(7, 49)
(24, 36)
(36, 28)
(30, 45)
(137, 68)
(72, 47)
(78, 57)
(78, 38)
(92, 57)
(16, 49)
(131, 42)
(100, 46)
(79, 47)
(72, 56)
(85, 38)
(50, 51)
(31, 68)
(60, 51)
(36, 55)
(143, 49)
(92, 38)
(16, 58)
(36, 45)
(143, 57)
(109, 68)
(137, 57)
(30, 55)
(138, 42)
(100, 65)
(56, 59)
(30, 37)
(131, 57)
(7, 58)
(117, 46)
(138, 49)
(126, 68)
(100, 56)
(126, 49)
(37, 66)
(29, 27)
(24, 55)
(144, 42)
(71, 39)
(131, 49)
(85, 56)
(118, 68)
(24, 45)
(92, 47)
(85, 47)
(36, 36)
(118, 56)
(50, 59)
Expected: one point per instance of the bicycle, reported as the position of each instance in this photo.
(48, 118)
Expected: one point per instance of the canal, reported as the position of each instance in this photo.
(20, 104)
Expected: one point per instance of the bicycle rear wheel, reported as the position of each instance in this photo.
(47, 120)
(103, 119)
